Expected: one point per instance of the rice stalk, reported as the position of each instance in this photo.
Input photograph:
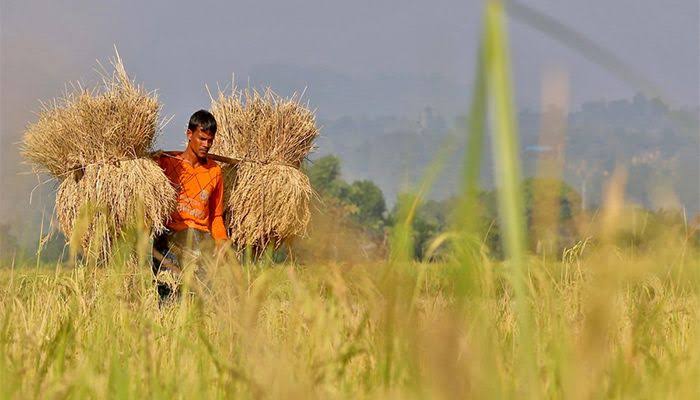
(270, 205)
(263, 127)
(116, 120)
(267, 196)
(110, 198)
(96, 143)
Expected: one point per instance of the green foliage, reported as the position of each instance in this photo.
(324, 175)
(435, 217)
(363, 199)
(568, 199)
(567, 206)
(369, 200)
(430, 219)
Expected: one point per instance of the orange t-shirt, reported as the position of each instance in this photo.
(200, 190)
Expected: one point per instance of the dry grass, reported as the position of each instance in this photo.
(117, 120)
(608, 324)
(271, 203)
(263, 127)
(95, 209)
(95, 142)
(267, 196)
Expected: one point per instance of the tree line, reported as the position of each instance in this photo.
(555, 214)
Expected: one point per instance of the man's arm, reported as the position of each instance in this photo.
(216, 208)
(218, 231)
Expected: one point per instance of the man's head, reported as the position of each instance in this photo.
(200, 133)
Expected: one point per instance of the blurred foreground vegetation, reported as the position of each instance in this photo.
(610, 320)
(360, 207)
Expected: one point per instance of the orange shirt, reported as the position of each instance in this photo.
(200, 202)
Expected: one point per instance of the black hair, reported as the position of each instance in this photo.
(203, 120)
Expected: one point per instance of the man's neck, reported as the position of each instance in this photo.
(191, 157)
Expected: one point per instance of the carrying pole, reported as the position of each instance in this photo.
(215, 157)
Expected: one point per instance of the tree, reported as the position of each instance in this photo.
(324, 174)
(550, 206)
(363, 200)
(369, 200)
(429, 220)
(538, 191)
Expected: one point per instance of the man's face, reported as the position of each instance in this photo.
(200, 141)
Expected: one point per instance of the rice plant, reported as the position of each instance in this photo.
(606, 319)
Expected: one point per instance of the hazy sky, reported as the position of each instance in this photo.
(178, 46)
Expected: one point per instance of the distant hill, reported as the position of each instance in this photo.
(659, 147)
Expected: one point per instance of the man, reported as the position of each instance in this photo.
(199, 212)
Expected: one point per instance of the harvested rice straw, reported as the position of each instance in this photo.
(111, 197)
(263, 127)
(270, 205)
(95, 142)
(267, 195)
(117, 120)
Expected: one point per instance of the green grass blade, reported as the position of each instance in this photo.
(466, 251)
(505, 143)
(505, 149)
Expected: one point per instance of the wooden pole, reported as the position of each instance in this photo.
(215, 157)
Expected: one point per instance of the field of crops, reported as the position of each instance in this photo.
(609, 322)
(615, 315)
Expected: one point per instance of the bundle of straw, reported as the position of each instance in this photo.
(96, 142)
(117, 120)
(267, 196)
(110, 198)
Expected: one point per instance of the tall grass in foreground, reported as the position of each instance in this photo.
(606, 322)
(607, 319)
